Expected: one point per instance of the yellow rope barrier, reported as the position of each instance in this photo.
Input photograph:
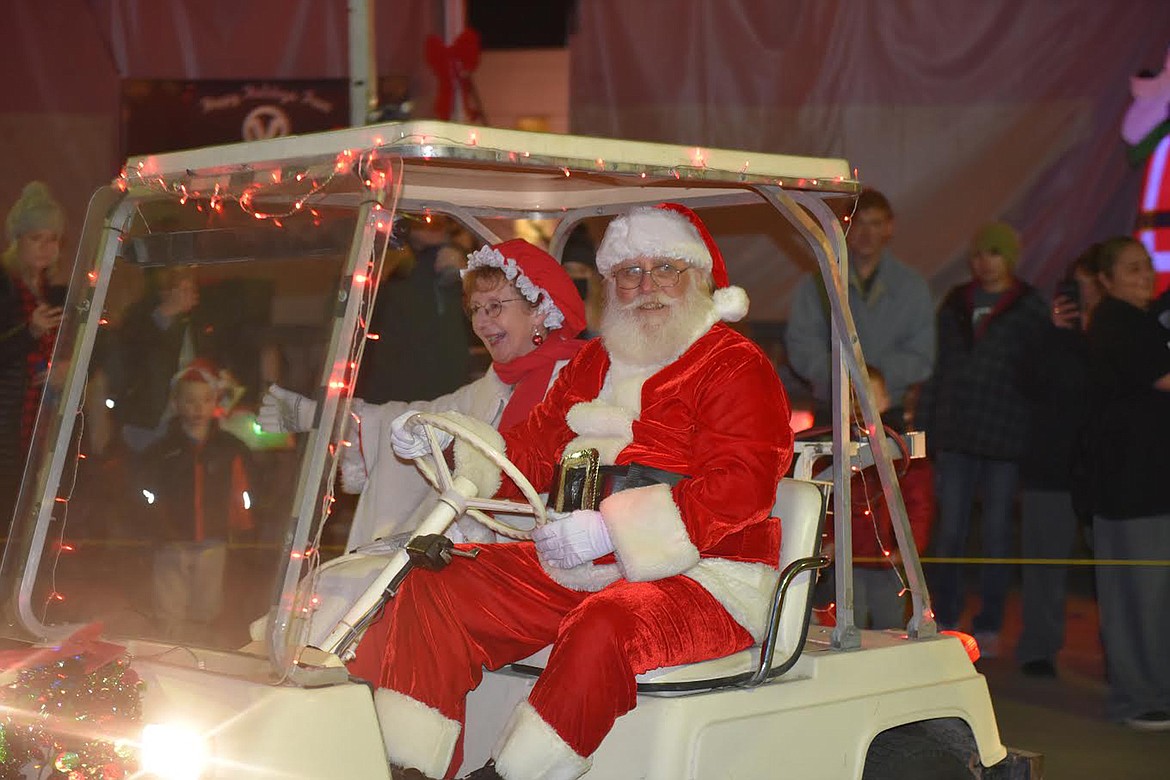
(1034, 561)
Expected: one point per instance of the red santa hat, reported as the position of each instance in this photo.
(672, 230)
(198, 370)
(539, 278)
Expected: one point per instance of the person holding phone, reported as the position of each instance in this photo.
(1052, 470)
(30, 312)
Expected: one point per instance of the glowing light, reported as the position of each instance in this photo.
(110, 403)
(148, 496)
(373, 336)
(247, 500)
(172, 752)
(969, 643)
(361, 278)
(801, 420)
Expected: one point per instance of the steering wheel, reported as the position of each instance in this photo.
(434, 469)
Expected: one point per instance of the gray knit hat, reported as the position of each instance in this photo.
(35, 210)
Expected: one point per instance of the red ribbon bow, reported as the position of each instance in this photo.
(453, 66)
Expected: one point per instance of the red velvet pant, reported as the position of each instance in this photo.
(443, 627)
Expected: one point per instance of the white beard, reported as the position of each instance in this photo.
(633, 338)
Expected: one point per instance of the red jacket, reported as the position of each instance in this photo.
(873, 532)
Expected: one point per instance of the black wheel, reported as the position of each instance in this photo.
(907, 755)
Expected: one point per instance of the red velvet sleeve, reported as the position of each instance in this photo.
(741, 446)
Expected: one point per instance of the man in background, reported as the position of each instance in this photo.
(891, 307)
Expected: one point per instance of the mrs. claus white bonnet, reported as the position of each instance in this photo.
(670, 230)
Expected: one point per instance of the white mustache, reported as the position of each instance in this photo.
(649, 298)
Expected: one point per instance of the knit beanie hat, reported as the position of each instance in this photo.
(998, 238)
(674, 231)
(35, 210)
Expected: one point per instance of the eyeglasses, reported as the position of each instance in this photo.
(663, 274)
(491, 308)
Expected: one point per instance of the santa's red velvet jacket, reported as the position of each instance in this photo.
(717, 414)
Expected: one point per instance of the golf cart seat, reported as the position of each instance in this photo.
(800, 505)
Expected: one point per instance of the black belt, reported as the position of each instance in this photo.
(578, 485)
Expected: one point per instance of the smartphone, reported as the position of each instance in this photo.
(55, 295)
(1069, 289)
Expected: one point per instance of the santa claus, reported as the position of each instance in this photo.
(676, 564)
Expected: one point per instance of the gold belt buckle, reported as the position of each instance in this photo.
(590, 461)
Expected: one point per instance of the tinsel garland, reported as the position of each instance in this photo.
(77, 724)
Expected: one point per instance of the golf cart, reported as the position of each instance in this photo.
(288, 238)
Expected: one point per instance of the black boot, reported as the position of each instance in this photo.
(406, 773)
(485, 772)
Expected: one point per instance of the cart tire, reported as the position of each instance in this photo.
(902, 755)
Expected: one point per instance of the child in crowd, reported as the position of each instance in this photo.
(194, 490)
(879, 592)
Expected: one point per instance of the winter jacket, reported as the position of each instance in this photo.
(976, 404)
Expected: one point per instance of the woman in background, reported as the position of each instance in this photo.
(1051, 470)
(1129, 379)
(30, 312)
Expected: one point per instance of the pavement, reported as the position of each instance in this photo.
(1063, 719)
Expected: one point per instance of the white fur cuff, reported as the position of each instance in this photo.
(529, 749)
(649, 537)
(415, 735)
(470, 462)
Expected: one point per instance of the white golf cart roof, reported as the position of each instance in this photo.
(322, 206)
(485, 169)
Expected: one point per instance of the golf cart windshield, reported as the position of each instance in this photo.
(264, 258)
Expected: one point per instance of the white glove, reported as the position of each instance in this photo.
(572, 538)
(410, 441)
(283, 411)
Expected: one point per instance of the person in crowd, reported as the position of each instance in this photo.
(880, 598)
(162, 332)
(1052, 466)
(579, 259)
(526, 311)
(30, 313)
(676, 565)
(977, 421)
(891, 307)
(1129, 377)
(419, 294)
(193, 492)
